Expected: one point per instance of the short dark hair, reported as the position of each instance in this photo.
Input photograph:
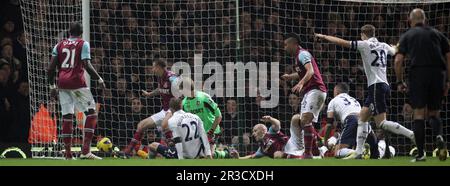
(343, 87)
(293, 36)
(76, 29)
(160, 63)
(368, 30)
(175, 104)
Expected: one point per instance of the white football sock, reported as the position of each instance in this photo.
(361, 135)
(397, 129)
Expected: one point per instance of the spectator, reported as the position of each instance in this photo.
(14, 63)
(20, 110)
(5, 106)
(8, 29)
(294, 104)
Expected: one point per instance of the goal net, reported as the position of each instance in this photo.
(126, 36)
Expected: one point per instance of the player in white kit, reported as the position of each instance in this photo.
(188, 133)
(346, 109)
(374, 57)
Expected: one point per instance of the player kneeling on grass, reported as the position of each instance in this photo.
(202, 105)
(189, 137)
(346, 109)
(271, 141)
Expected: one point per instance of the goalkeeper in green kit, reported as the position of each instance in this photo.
(201, 104)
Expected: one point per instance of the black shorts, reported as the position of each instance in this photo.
(167, 152)
(377, 94)
(426, 88)
(348, 135)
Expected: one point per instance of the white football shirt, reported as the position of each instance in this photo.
(374, 57)
(188, 128)
(343, 105)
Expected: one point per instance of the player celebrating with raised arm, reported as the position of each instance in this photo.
(72, 56)
(166, 80)
(374, 57)
(271, 142)
(346, 109)
(429, 52)
(202, 105)
(310, 85)
(189, 136)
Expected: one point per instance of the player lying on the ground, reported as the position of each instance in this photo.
(189, 136)
(271, 141)
(346, 109)
(374, 57)
(166, 80)
(202, 105)
(310, 85)
(72, 56)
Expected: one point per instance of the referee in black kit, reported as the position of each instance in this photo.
(429, 78)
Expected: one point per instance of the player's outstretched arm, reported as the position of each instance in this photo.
(214, 108)
(257, 154)
(287, 77)
(93, 73)
(334, 40)
(150, 94)
(308, 75)
(276, 124)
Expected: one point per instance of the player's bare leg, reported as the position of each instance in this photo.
(89, 128)
(142, 126)
(306, 125)
(67, 130)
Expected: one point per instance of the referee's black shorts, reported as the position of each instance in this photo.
(426, 88)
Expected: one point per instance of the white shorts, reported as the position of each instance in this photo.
(81, 99)
(313, 102)
(159, 117)
(295, 145)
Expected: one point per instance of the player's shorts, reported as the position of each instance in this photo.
(348, 135)
(81, 99)
(377, 94)
(426, 88)
(167, 152)
(159, 117)
(313, 102)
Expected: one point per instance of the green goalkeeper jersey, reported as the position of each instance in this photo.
(204, 107)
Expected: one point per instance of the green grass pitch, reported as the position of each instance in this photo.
(397, 161)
